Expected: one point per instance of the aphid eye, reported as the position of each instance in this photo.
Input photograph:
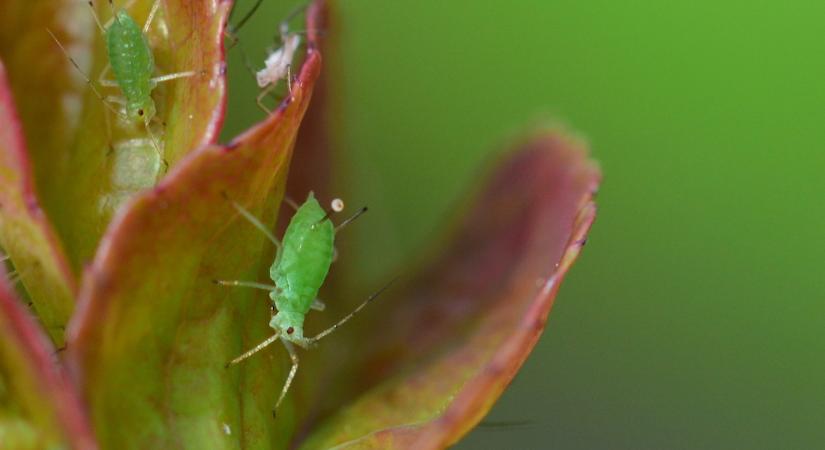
(290, 330)
(140, 112)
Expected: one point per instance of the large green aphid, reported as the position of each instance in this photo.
(133, 65)
(300, 267)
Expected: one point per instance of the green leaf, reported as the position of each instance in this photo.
(153, 332)
(39, 407)
(25, 233)
(435, 355)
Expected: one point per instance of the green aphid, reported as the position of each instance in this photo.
(133, 65)
(298, 272)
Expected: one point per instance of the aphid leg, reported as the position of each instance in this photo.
(318, 305)
(257, 224)
(249, 284)
(155, 142)
(254, 350)
(262, 95)
(115, 99)
(101, 79)
(119, 101)
(76, 66)
(232, 30)
(151, 16)
(294, 357)
(289, 79)
(248, 64)
(174, 76)
(114, 14)
(328, 331)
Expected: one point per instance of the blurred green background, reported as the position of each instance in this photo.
(694, 318)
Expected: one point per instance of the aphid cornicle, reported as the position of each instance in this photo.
(301, 265)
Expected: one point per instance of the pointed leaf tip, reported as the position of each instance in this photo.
(456, 335)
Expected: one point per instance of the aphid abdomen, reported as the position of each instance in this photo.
(131, 60)
(305, 258)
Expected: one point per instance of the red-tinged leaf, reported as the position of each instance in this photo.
(25, 233)
(441, 351)
(110, 161)
(153, 332)
(196, 108)
(48, 91)
(39, 407)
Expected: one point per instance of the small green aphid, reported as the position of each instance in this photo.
(133, 64)
(300, 267)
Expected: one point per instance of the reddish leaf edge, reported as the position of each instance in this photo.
(19, 157)
(479, 393)
(53, 381)
(29, 191)
(219, 114)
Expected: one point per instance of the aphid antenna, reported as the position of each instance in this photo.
(283, 28)
(232, 30)
(373, 296)
(85, 77)
(350, 219)
(292, 204)
(336, 206)
(94, 16)
(114, 13)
